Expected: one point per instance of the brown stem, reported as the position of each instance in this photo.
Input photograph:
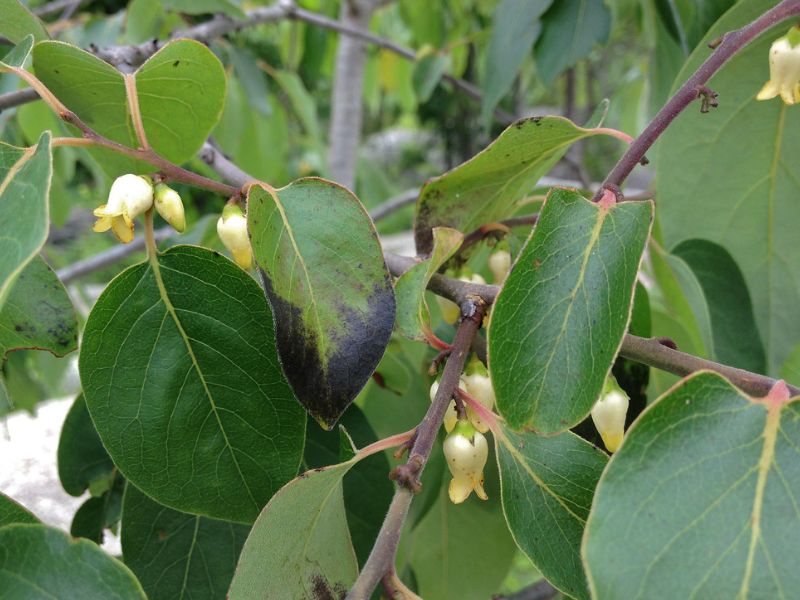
(695, 86)
(498, 228)
(381, 558)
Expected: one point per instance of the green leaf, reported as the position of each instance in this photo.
(25, 175)
(42, 562)
(38, 313)
(489, 185)
(413, 316)
(747, 199)
(331, 293)
(99, 512)
(180, 91)
(12, 512)
(547, 485)
(367, 489)
(570, 29)
(19, 22)
(706, 474)
(790, 371)
(18, 55)
(181, 379)
(299, 546)
(735, 336)
(198, 7)
(82, 459)
(515, 28)
(428, 72)
(559, 320)
(177, 555)
(302, 102)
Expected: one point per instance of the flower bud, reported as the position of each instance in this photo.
(451, 416)
(500, 265)
(232, 230)
(784, 69)
(130, 196)
(479, 387)
(168, 204)
(608, 415)
(466, 451)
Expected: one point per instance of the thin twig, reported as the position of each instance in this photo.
(381, 558)
(394, 204)
(17, 98)
(695, 86)
(51, 8)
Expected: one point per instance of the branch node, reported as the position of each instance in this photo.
(405, 446)
(437, 362)
(407, 475)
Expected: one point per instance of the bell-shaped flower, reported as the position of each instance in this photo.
(479, 386)
(169, 205)
(466, 451)
(608, 415)
(129, 197)
(232, 230)
(784, 69)
(451, 416)
(500, 265)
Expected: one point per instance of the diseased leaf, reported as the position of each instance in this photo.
(570, 29)
(413, 316)
(38, 313)
(547, 485)
(177, 555)
(489, 185)
(181, 379)
(701, 499)
(331, 293)
(748, 198)
(299, 546)
(560, 317)
(12, 512)
(514, 30)
(42, 562)
(25, 175)
(82, 459)
(735, 335)
(19, 22)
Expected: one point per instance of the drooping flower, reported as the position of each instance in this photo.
(169, 205)
(232, 230)
(451, 416)
(784, 69)
(130, 196)
(466, 451)
(479, 386)
(500, 265)
(608, 415)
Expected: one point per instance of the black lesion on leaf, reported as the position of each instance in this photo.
(322, 590)
(326, 392)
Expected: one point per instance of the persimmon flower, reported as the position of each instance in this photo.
(784, 69)
(479, 386)
(608, 415)
(466, 451)
(129, 197)
(500, 265)
(451, 416)
(169, 205)
(232, 230)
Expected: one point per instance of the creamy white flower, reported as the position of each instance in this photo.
(500, 265)
(451, 416)
(169, 205)
(466, 451)
(232, 230)
(608, 415)
(479, 387)
(129, 196)
(784, 69)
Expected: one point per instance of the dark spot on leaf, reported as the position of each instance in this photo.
(176, 63)
(536, 263)
(322, 590)
(162, 535)
(18, 327)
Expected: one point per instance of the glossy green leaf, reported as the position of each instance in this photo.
(570, 29)
(42, 562)
(413, 316)
(735, 335)
(701, 499)
(25, 175)
(181, 379)
(331, 293)
(559, 320)
(82, 459)
(548, 485)
(181, 91)
(18, 22)
(428, 72)
(299, 546)
(488, 186)
(688, 20)
(38, 313)
(13, 512)
(743, 201)
(177, 555)
(515, 28)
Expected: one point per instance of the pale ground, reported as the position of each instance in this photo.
(28, 471)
